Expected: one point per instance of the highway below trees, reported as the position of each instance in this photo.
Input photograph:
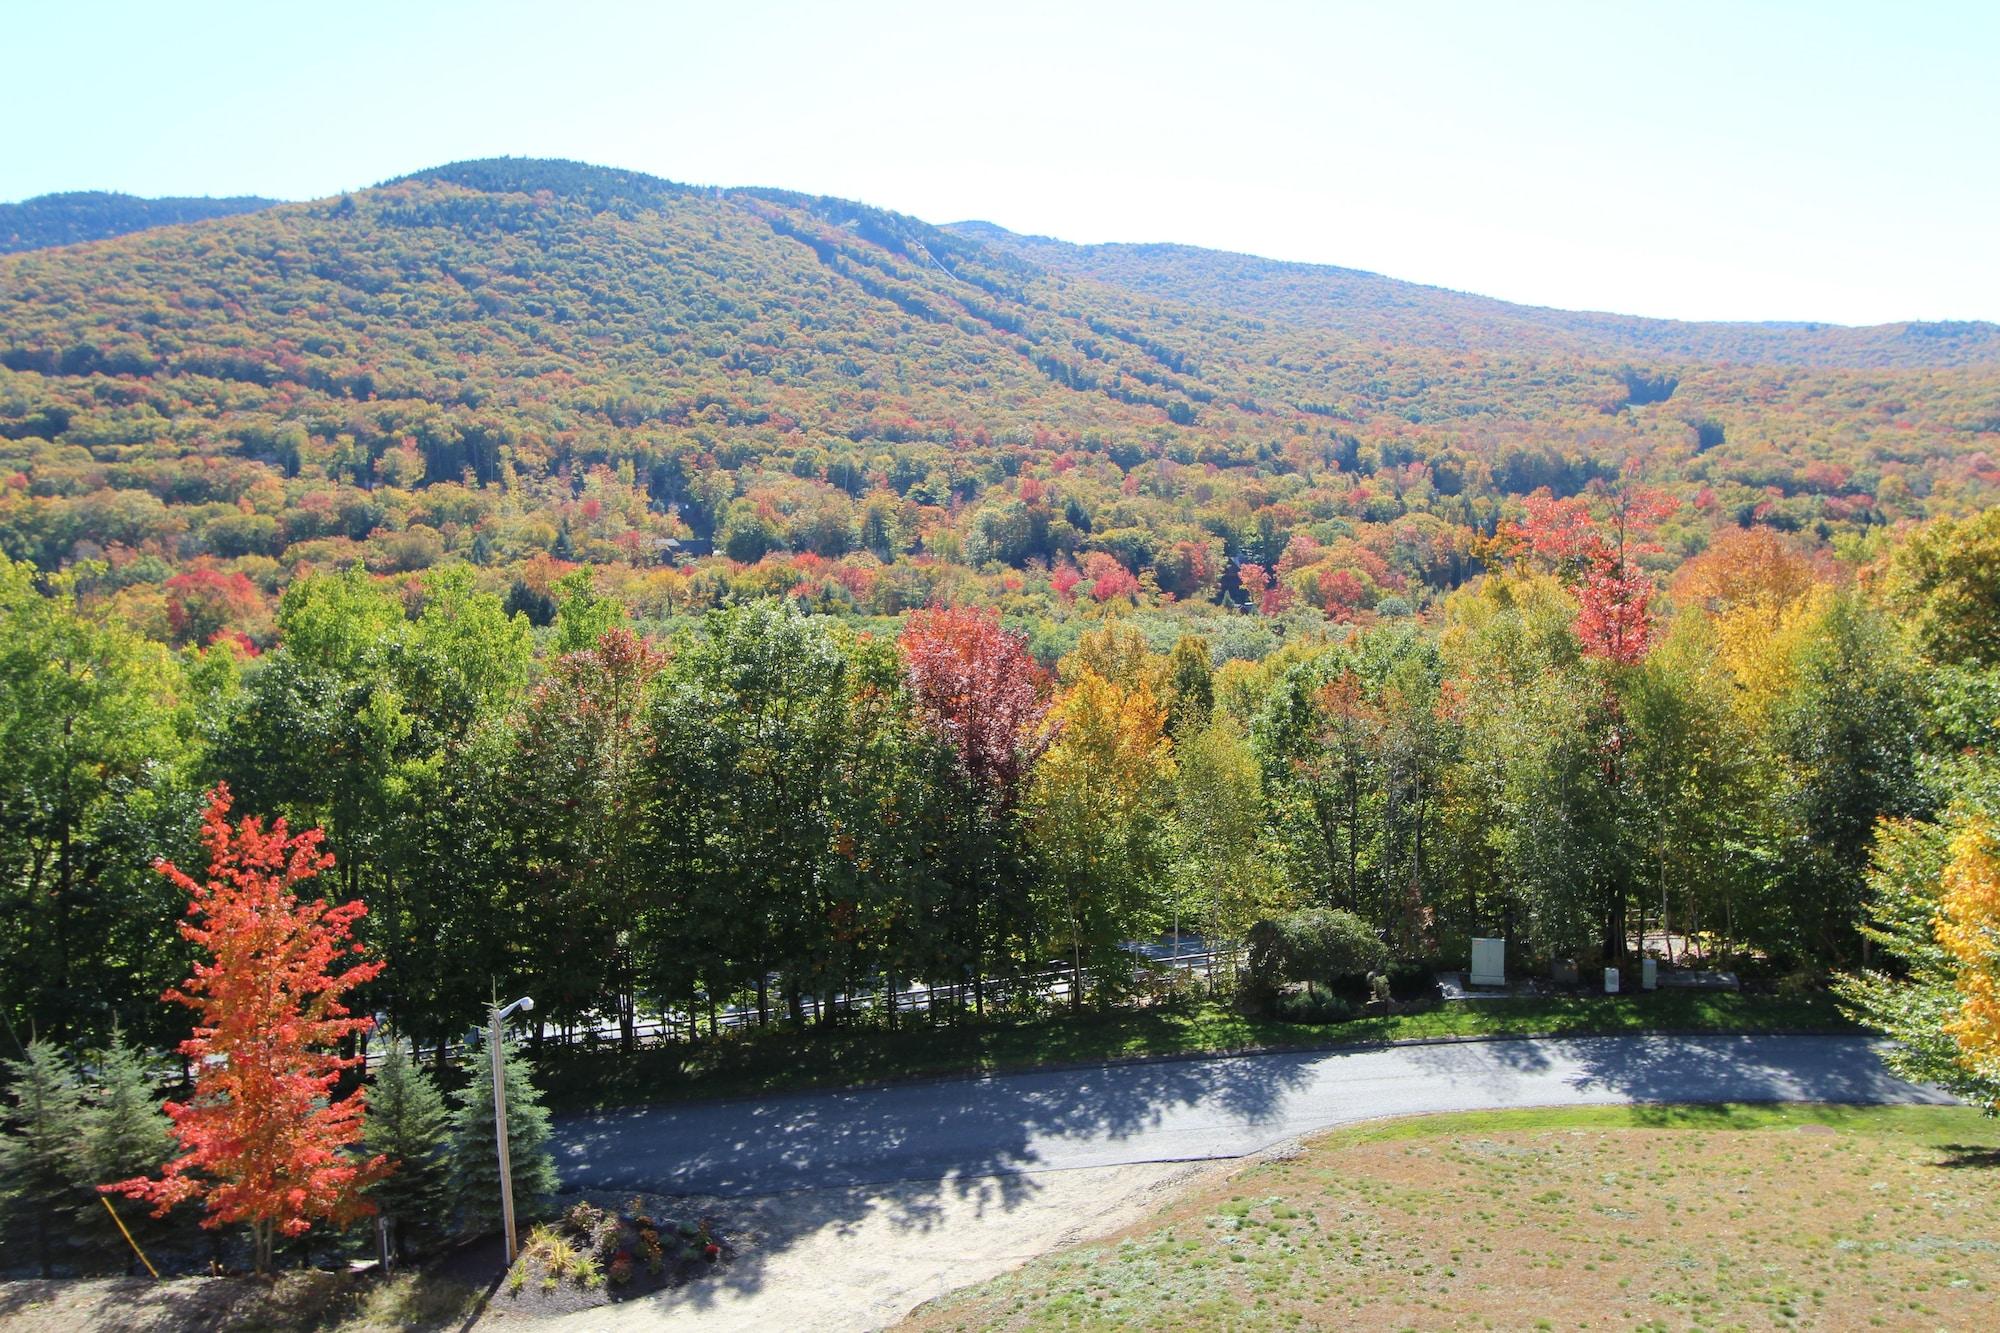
(1018, 1125)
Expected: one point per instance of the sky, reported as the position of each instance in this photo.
(1747, 160)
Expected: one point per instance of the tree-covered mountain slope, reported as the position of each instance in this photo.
(712, 393)
(94, 215)
(1348, 300)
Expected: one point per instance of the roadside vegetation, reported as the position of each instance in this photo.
(782, 1060)
(1626, 1217)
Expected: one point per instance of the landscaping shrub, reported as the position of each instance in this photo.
(1412, 979)
(1332, 949)
(1314, 1004)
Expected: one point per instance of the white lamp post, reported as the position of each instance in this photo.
(493, 1038)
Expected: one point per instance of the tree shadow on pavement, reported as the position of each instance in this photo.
(839, 1157)
(915, 1151)
(1670, 1070)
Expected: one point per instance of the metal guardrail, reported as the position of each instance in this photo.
(1052, 984)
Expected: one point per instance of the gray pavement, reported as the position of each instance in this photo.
(1182, 1110)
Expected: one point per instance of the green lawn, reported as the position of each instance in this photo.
(1765, 1217)
(782, 1059)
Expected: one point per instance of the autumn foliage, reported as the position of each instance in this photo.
(1599, 555)
(1968, 928)
(975, 686)
(264, 1141)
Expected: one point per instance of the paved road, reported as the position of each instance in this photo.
(1181, 1110)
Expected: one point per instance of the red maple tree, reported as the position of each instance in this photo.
(205, 604)
(1598, 557)
(1109, 580)
(976, 686)
(264, 1140)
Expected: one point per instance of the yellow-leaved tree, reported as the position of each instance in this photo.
(1096, 814)
(1968, 929)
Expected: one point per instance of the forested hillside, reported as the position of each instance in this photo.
(518, 363)
(474, 518)
(1403, 313)
(93, 215)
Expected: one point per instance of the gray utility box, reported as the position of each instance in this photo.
(1610, 981)
(1489, 963)
(1649, 974)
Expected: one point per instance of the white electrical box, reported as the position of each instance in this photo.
(1610, 981)
(1649, 974)
(1489, 963)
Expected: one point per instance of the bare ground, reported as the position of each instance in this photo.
(892, 1248)
(834, 1260)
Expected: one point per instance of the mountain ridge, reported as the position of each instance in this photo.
(519, 364)
(1318, 294)
(77, 217)
(1257, 287)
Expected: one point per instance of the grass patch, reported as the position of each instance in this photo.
(783, 1059)
(1626, 1217)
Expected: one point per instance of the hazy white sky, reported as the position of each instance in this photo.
(1717, 161)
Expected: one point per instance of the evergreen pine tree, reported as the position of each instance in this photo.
(475, 1167)
(125, 1131)
(409, 1123)
(40, 1163)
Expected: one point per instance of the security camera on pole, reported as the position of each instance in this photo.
(494, 1036)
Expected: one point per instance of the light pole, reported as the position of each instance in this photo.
(493, 1038)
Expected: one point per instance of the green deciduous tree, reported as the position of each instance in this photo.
(1221, 878)
(749, 730)
(94, 758)
(1945, 582)
(579, 885)
(1846, 735)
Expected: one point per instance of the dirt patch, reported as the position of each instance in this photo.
(1628, 1227)
(350, 1303)
(893, 1247)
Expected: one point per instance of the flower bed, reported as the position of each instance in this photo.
(593, 1255)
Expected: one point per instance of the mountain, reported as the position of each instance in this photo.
(94, 215)
(1349, 300)
(518, 363)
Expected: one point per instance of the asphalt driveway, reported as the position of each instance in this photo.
(1181, 1110)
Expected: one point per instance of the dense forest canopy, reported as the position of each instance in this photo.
(521, 364)
(1321, 296)
(662, 594)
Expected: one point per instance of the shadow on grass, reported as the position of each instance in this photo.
(297, 1302)
(1975, 1156)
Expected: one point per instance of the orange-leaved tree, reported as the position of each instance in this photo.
(264, 1141)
